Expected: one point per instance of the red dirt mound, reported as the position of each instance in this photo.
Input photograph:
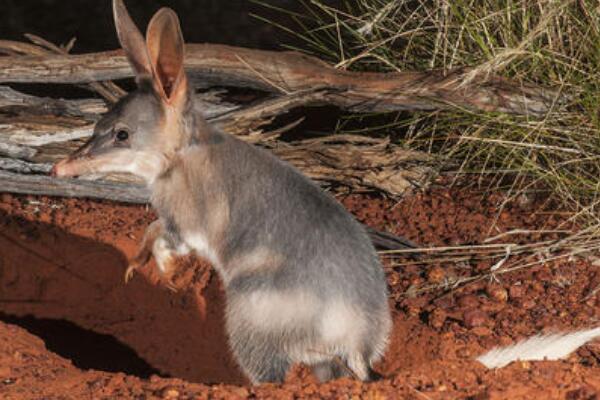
(92, 336)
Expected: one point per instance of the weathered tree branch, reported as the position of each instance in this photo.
(34, 131)
(32, 140)
(136, 194)
(46, 185)
(289, 72)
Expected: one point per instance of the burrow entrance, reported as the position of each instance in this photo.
(68, 289)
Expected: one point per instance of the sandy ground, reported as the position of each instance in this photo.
(72, 329)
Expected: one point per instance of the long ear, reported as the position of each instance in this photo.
(167, 52)
(132, 41)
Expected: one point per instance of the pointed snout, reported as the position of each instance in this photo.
(72, 165)
(56, 169)
(63, 168)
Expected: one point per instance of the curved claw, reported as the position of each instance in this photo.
(129, 272)
(171, 286)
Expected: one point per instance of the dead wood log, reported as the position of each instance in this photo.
(24, 167)
(45, 185)
(358, 162)
(208, 103)
(136, 194)
(289, 72)
(35, 132)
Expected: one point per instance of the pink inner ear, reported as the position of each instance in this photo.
(166, 49)
(167, 75)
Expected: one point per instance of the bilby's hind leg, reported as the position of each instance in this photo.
(274, 371)
(338, 368)
(330, 370)
(361, 368)
(262, 365)
(258, 355)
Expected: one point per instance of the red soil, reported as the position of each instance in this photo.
(63, 260)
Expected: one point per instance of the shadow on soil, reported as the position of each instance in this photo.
(92, 350)
(69, 290)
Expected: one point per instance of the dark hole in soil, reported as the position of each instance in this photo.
(94, 350)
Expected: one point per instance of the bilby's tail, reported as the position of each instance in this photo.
(540, 347)
(388, 241)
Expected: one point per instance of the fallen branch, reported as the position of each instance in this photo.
(46, 185)
(360, 163)
(289, 72)
(136, 194)
(35, 132)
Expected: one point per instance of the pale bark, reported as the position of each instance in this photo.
(289, 72)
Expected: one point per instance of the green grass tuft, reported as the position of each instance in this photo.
(547, 42)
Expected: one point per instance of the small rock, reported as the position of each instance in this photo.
(538, 287)
(591, 302)
(524, 200)
(528, 304)
(437, 318)
(412, 310)
(516, 292)
(585, 392)
(436, 275)
(170, 393)
(474, 318)
(497, 293)
(468, 301)
(393, 279)
(481, 331)
(525, 365)
(240, 391)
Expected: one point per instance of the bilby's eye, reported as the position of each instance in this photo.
(122, 135)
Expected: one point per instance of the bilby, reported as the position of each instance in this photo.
(303, 282)
(302, 279)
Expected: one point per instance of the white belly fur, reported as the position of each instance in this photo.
(335, 324)
(199, 243)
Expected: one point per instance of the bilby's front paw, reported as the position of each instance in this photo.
(138, 261)
(146, 249)
(129, 272)
(166, 268)
(170, 285)
(157, 246)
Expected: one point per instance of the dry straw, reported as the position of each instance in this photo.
(548, 42)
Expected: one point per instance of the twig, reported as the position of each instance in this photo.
(109, 90)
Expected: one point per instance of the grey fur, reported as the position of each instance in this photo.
(325, 253)
(302, 279)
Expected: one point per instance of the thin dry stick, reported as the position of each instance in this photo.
(109, 90)
(578, 244)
